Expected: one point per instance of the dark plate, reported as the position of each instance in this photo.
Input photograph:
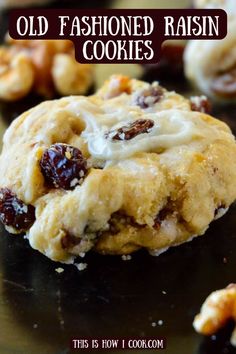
(41, 310)
(114, 298)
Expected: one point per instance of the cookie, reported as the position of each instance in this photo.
(132, 166)
(211, 64)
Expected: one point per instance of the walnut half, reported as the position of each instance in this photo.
(216, 311)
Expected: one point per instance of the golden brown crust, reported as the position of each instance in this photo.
(156, 190)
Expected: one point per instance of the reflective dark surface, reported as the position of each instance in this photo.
(40, 310)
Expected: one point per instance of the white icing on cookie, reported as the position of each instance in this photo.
(171, 128)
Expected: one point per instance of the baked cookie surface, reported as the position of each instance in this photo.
(131, 166)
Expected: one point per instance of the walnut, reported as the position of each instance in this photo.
(16, 75)
(216, 311)
(49, 68)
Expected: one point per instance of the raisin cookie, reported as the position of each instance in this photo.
(131, 166)
(211, 64)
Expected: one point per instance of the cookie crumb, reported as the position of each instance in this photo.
(59, 270)
(126, 257)
(81, 266)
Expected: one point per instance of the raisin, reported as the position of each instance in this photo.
(224, 84)
(63, 166)
(131, 130)
(69, 241)
(119, 220)
(200, 104)
(149, 96)
(161, 217)
(14, 212)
